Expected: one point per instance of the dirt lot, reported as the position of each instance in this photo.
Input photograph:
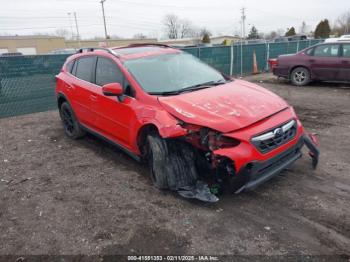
(59, 196)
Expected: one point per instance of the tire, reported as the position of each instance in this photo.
(300, 76)
(157, 154)
(171, 163)
(70, 123)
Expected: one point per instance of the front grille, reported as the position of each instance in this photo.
(260, 169)
(276, 137)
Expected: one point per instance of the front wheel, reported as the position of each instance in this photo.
(157, 153)
(300, 76)
(171, 163)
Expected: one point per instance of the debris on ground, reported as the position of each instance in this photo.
(199, 191)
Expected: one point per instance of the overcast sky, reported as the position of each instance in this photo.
(128, 17)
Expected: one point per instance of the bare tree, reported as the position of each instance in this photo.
(63, 33)
(342, 25)
(171, 24)
(271, 35)
(186, 28)
(178, 28)
(139, 36)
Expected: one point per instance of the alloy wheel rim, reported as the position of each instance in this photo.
(300, 76)
(67, 120)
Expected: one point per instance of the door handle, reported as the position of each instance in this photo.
(69, 87)
(345, 62)
(93, 97)
(312, 60)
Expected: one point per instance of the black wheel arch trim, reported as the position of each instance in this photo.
(62, 95)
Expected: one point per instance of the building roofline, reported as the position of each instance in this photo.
(17, 37)
(119, 39)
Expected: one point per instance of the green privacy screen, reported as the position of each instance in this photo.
(27, 83)
(237, 59)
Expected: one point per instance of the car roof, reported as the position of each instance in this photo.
(135, 51)
(132, 51)
(346, 41)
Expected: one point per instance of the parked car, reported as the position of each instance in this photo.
(64, 51)
(166, 107)
(343, 38)
(325, 62)
(290, 38)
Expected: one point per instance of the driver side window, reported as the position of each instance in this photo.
(107, 71)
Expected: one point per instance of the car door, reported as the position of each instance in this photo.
(79, 89)
(114, 114)
(344, 72)
(325, 62)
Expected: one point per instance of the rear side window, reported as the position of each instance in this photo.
(327, 50)
(84, 68)
(346, 50)
(309, 51)
(69, 66)
(107, 72)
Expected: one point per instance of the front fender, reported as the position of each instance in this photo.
(166, 124)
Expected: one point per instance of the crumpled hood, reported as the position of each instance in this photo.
(226, 107)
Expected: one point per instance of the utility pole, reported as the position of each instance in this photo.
(104, 18)
(70, 24)
(76, 25)
(243, 20)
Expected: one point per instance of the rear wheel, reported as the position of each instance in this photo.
(70, 123)
(300, 76)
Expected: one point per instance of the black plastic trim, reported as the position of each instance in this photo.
(122, 148)
(252, 169)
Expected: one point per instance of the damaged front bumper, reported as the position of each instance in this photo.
(257, 172)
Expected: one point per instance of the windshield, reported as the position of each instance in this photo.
(171, 72)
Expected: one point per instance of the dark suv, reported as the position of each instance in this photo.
(326, 62)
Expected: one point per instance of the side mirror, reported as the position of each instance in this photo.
(112, 89)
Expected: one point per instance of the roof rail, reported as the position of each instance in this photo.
(91, 49)
(143, 44)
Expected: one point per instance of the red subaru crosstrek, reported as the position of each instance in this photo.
(190, 122)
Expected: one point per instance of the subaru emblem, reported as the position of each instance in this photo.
(278, 132)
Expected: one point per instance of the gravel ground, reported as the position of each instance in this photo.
(59, 196)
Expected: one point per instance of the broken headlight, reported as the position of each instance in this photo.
(215, 140)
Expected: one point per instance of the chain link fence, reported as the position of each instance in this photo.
(238, 59)
(27, 83)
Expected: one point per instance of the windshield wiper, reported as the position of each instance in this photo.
(192, 88)
(204, 85)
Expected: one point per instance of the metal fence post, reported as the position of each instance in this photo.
(231, 64)
(267, 56)
(241, 58)
(298, 46)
